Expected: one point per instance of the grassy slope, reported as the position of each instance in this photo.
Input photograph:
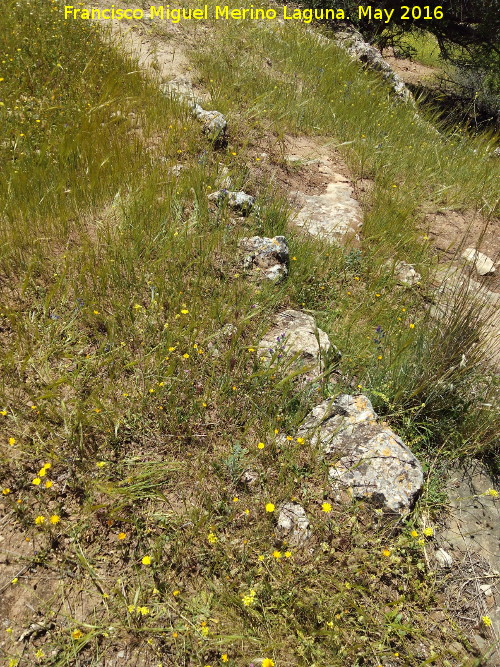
(116, 279)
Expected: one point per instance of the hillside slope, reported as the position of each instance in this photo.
(163, 501)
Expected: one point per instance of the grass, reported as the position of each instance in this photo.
(423, 48)
(118, 278)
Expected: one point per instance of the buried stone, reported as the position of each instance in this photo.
(294, 335)
(265, 256)
(370, 461)
(237, 200)
(214, 123)
(293, 525)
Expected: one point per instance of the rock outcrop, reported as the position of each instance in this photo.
(237, 200)
(214, 123)
(353, 42)
(483, 265)
(331, 216)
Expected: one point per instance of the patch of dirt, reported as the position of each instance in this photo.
(410, 71)
(453, 231)
(162, 57)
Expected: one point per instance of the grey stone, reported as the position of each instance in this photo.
(372, 462)
(293, 524)
(265, 256)
(214, 123)
(249, 478)
(406, 273)
(472, 535)
(353, 42)
(294, 335)
(238, 201)
(330, 216)
(483, 265)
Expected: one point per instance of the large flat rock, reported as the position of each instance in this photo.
(331, 216)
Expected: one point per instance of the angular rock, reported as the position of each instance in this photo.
(332, 215)
(373, 463)
(482, 263)
(443, 558)
(265, 256)
(293, 525)
(237, 200)
(295, 334)
(214, 123)
(406, 274)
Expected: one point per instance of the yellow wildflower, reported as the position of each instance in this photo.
(277, 554)
(122, 536)
(428, 532)
(326, 507)
(386, 552)
(146, 560)
(212, 538)
(5, 492)
(36, 481)
(76, 634)
(249, 599)
(55, 518)
(12, 441)
(48, 484)
(486, 620)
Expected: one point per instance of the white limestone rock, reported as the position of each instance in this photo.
(266, 257)
(483, 265)
(370, 461)
(294, 335)
(293, 525)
